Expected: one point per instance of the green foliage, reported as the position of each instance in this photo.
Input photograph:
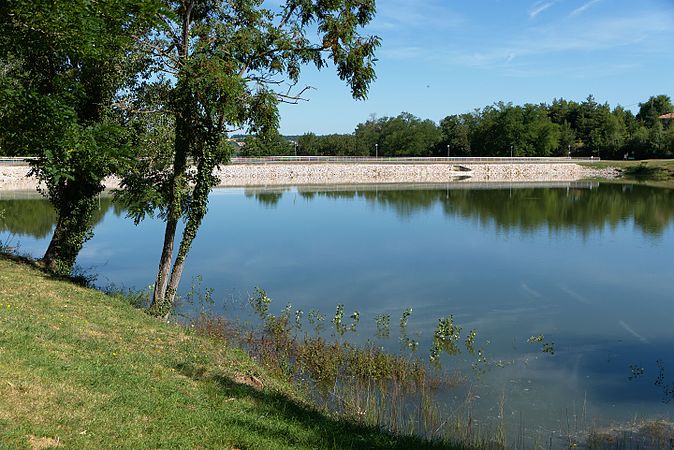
(316, 320)
(404, 135)
(405, 339)
(456, 133)
(383, 322)
(470, 341)
(338, 321)
(139, 299)
(445, 338)
(198, 297)
(260, 303)
(404, 319)
(330, 145)
(63, 64)
(653, 107)
(584, 128)
(523, 130)
(73, 228)
(364, 382)
(547, 347)
(273, 144)
(217, 67)
(536, 339)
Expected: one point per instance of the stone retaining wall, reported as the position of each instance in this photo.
(14, 177)
(335, 173)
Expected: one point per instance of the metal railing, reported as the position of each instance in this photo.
(405, 160)
(16, 161)
(369, 160)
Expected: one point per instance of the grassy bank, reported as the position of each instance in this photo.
(653, 172)
(79, 369)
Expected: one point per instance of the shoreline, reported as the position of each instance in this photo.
(13, 177)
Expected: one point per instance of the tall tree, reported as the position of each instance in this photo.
(653, 107)
(369, 134)
(542, 137)
(308, 144)
(272, 144)
(64, 61)
(456, 132)
(403, 135)
(221, 66)
(567, 139)
(408, 135)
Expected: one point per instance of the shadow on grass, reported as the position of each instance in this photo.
(329, 432)
(79, 278)
(275, 411)
(644, 172)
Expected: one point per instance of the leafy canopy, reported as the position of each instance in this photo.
(220, 67)
(63, 63)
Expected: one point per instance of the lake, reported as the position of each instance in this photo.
(585, 266)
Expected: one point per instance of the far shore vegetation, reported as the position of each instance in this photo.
(561, 128)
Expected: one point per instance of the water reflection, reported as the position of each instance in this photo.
(269, 198)
(32, 215)
(582, 207)
(27, 217)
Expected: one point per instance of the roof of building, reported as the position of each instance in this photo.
(666, 116)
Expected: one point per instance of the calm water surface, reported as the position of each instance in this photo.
(587, 266)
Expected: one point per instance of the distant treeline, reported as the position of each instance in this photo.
(583, 128)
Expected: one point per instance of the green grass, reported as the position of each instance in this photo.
(80, 369)
(653, 172)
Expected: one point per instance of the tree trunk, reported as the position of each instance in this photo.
(197, 211)
(176, 274)
(73, 228)
(160, 305)
(158, 298)
(198, 208)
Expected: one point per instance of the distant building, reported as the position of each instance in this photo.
(668, 116)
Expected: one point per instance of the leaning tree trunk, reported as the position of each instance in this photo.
(160, 306)
(197, 211)
(73, 228)
(163, 273)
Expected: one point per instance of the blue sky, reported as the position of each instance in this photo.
(441, 57)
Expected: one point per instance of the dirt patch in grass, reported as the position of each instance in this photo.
(249, 380)
(38, 443)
